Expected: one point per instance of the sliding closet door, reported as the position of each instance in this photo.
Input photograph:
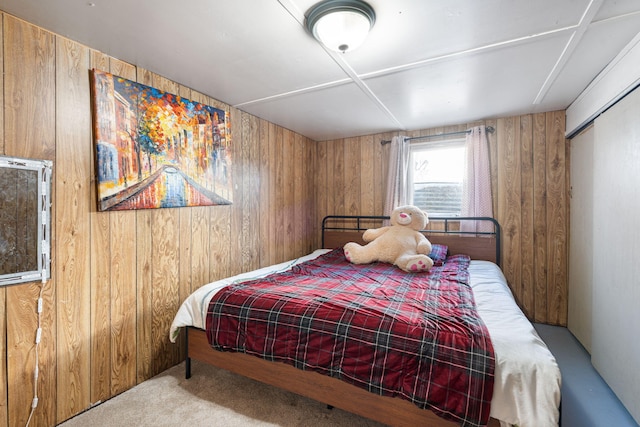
(581, 237)
(616, 245)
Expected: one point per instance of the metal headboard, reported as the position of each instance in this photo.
(360, 223)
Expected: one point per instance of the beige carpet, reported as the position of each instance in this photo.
(211, 397)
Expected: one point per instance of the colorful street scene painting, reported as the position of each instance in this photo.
(157, 150)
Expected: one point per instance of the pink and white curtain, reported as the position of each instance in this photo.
(397, 194)
(476, 185)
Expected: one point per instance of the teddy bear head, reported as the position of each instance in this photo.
(410, 216)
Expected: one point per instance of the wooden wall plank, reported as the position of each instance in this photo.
(237, 224)
(264, 191)
(200, 267)
(288, 188)
(540, 217)
(243, 214)
(29, 131)
(298, 212)
(557, 218)
(252, 215)
(493, 159)
(73, 189)
(322, 181)
(165, 298)
(273, 207)
(144, 288)
(352, 176)
(279, 219)
(219, 246)
(123, 345)
(144, 277)
(100, 280)
(527, 296)
(254, 194)
(311, 237)
(123, 294)
(29, 65)
(509, 203)
(336, 169)
(381, 169)
(250, 200)
(165, 265)
(122, 330)
(367, 148)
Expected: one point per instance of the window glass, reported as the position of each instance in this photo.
(435, 177)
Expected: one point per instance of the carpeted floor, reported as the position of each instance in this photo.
(211, 397)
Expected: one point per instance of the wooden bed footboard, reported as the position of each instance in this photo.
(325, 389)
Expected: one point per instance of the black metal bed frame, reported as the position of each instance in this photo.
(358, 220)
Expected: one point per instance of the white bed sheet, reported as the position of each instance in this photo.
(527, 378)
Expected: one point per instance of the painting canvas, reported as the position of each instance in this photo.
(157, 150)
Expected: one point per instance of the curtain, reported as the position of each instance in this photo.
(476, 184)
(397, 193)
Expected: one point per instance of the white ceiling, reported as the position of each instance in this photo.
(426, 63)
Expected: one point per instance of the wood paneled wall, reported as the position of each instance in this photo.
(529, 166)
(119, 277)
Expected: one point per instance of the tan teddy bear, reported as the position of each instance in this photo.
(400, 244)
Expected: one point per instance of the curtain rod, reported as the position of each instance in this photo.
(489, 129)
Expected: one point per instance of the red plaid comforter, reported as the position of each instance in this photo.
(415, 336)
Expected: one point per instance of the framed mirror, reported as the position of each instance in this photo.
(25, 216)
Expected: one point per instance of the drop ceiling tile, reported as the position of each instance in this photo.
(408, 31)
(337, 112)
(600, 44)
(486, 85)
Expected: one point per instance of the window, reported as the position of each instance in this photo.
(435, 176)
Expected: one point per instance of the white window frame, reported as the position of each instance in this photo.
(426, 146)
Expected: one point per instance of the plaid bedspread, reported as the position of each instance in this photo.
(415, 336)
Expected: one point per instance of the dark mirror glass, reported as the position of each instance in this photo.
(18, 220)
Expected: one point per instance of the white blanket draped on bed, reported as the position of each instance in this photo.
(527, 378)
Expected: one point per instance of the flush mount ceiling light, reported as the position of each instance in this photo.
(340, 25)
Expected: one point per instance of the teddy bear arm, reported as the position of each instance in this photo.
(373, 233)
(423, 244)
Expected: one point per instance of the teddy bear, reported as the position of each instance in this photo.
(400, 243)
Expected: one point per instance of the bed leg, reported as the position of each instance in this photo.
(187, 362)
(329, 407)
(187, 368)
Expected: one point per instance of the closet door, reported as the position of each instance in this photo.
(616, 250)
(581, 237)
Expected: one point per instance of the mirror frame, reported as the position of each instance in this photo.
(43, 270)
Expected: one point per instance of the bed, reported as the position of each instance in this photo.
(525, 378)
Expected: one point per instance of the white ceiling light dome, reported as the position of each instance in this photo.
(340, 25)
